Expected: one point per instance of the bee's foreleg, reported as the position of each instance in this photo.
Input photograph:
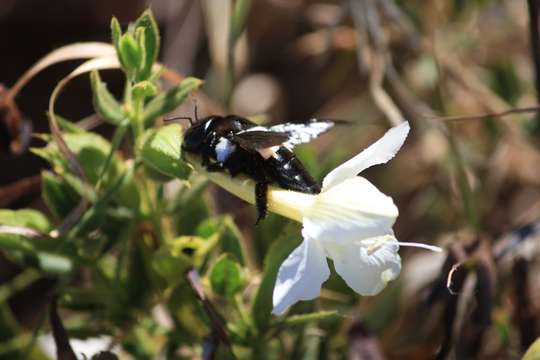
(261, 200)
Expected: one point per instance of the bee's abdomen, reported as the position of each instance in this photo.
(286, 170)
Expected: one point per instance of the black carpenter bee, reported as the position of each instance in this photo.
(239, 146)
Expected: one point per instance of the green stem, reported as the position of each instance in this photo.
(115, 144)
(154, 208)
(134, 109)
(244, 315)
(124, 238)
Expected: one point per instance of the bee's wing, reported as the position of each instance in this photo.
(259, 139)
(302, 132)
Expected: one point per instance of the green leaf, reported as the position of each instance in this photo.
(265, 233)
(167, 101)
(155, 175)
(231, 240)
(150, 43)
(51, 154)
(116, 33)
(230, 237)
(170, 266)
(104, 102)
(28, 218)
(130, 54)
(533, 353)
(189, 207)
(262, 305)
(27, 250)
(92, 151)
(68, 126)
(226, 276)
(161, 149)
(57, 195)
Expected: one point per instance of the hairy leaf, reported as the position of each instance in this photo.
(161, 149)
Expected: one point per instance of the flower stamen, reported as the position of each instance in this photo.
(420, 245)
(377, 245)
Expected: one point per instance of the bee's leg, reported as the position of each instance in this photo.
(261, 200)
(205, 160)
(215, 167)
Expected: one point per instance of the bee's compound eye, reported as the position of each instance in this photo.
(194, 138)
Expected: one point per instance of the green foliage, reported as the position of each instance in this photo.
(149, 41)
(92, 152)
(229, 237)
(226, 276)
(32, 248)
(116, 33)
(132, 234)
(130, 53)
(57, 195)
(32, 219)
(104, 102)
(170, 265)
(138, 48)
(144, 89)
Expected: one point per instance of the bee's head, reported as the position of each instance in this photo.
(196, 135)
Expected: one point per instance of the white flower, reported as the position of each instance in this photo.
(350, 221)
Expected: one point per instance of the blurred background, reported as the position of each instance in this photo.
(470, 184)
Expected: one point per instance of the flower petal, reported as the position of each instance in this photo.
(379, 152)
(367, 265)
(300, 276)
(353, 210)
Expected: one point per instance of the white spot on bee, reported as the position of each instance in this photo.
(297, 177)
(224, 149)
(207, 125)
(287, 166)
(268, 152)
(255, 128)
